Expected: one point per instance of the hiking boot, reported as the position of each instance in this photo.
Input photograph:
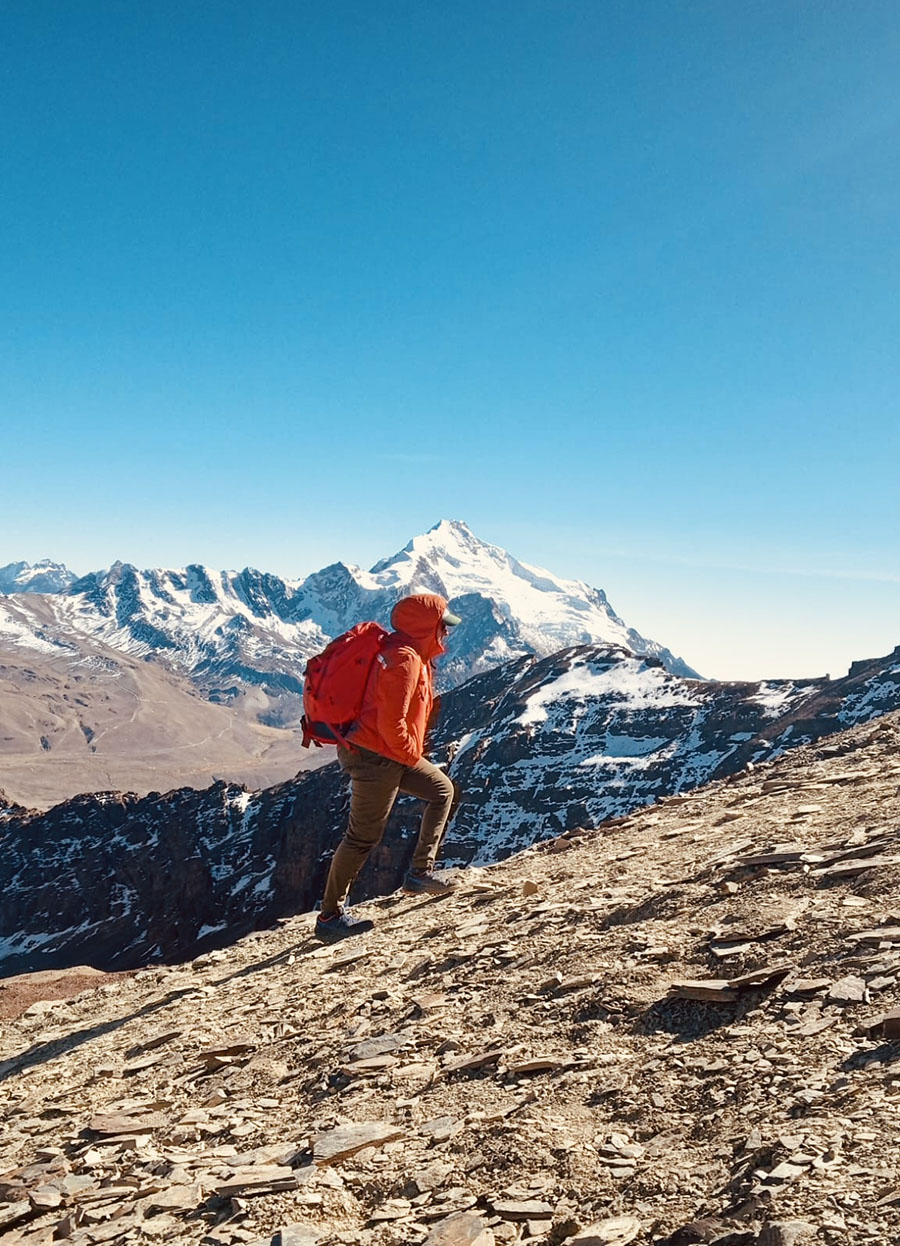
(341, 926)
(426, 883)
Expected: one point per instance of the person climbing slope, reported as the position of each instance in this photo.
(383, 754)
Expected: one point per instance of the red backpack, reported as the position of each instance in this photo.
(335, 684)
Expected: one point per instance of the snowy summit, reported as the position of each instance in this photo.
(40, 577)
(534, 611)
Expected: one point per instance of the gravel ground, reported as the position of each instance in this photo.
(667, 1024)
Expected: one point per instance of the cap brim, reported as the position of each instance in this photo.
(450, 618)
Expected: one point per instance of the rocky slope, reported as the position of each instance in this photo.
(595, 732)
(668, 1033)
(538, 747)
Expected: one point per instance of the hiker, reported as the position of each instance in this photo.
(382, 753)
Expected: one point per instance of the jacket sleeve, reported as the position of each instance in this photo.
(396, 685)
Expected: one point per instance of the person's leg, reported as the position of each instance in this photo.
(374, 783)
(428, 783)
(454, 805)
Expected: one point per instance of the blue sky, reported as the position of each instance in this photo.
(616, 283)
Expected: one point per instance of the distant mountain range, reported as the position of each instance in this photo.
(73, 696)
(40, 577)
(228, 629)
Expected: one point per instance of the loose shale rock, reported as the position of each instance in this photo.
(464, 1229)
(502, 1067)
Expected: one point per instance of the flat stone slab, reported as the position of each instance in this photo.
(479, 1061)
(301, 1233)
(338, 1144)
(617, 1231)
(849, 990)
(383, 1045)
(110, 1123)
(462, 1229)
(528, 1209)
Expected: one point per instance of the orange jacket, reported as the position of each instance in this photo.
(400, 693)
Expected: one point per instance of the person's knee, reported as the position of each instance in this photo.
(446, 791)
(363, 841)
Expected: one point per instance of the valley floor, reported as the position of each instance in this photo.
(518, 1062)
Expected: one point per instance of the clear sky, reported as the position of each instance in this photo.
(615, 282)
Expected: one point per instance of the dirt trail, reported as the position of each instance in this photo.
(663, 1028)
(21, 991)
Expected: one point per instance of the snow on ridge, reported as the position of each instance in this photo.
(20, 633)
(774, 695)
(629, 678)
(466, 564)
(877, 694)
(618, 745)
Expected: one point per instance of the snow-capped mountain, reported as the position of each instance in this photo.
(230, 631)
(509, 608)
(40, 577)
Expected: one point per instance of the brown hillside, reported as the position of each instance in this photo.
(99, 720)
(521, 1062)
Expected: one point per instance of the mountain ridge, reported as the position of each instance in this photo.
(448, 559)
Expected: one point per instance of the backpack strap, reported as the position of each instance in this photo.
(342, 740)
(309, 739)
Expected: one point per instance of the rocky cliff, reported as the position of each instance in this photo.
(540, 748)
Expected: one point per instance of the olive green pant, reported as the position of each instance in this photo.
(375, 782)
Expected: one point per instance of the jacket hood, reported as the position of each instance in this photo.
(419, 618)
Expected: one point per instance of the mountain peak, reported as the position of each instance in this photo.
(45, 576)
(450, 543)
(119, 571)
(453, 527)
(534, 610)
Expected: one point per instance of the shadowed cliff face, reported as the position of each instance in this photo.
(538, 748)
(116, 880)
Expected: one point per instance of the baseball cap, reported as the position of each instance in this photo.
(450, 619)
